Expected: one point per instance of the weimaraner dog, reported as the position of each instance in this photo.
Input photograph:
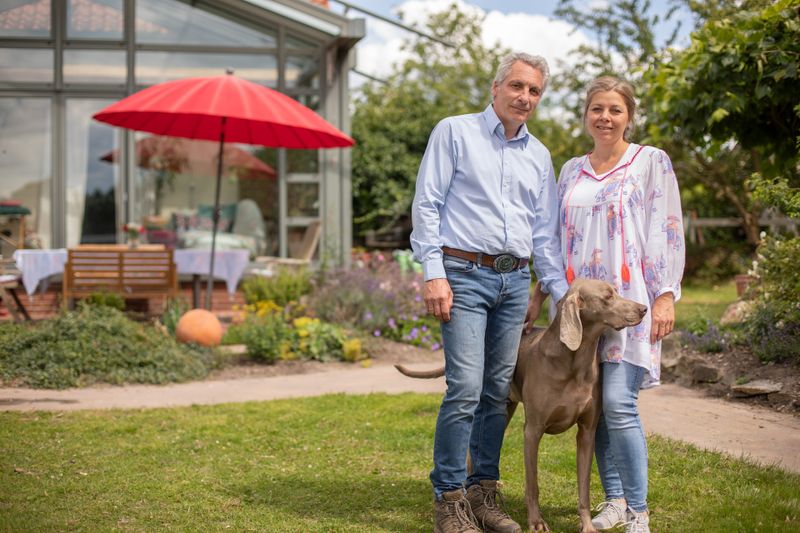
(557, 380)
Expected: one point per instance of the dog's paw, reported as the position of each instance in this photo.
(538, 525)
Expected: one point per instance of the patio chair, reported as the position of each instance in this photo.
(9, 284)
(301, 255)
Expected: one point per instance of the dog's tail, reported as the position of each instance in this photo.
(421, 374)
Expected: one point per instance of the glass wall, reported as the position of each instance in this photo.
(70, 170)
(25, 160)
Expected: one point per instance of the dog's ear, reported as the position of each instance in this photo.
(571, 327)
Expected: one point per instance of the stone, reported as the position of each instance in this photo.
(200, 327)
(735, 313)
(704, 373)
(756, 387)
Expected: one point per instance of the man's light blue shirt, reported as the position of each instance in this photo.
(478, 191)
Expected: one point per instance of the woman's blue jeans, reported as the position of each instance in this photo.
(480, 349)
(620, 446)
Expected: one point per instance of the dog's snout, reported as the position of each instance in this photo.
(642, 310)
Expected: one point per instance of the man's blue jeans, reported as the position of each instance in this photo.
(480, 349)
(620, 446)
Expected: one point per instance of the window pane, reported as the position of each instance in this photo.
(173, 22)
(94, 19)
(25, 161)
(303, 199)
(95, 66)
(25, 18)
(91, 192)
(26, 65)
(156, 67)
(302, 71)
(302, 161)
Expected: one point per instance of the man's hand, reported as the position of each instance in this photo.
(534, 307)
(438, 298)
(663, 319)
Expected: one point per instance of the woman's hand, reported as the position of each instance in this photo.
(663, 317)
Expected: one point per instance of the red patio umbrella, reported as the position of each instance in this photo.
(223, 108)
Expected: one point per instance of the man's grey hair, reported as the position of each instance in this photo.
(537, 62)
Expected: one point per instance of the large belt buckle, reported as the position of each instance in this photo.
(504, 263)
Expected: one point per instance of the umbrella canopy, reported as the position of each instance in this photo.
(223, 108)
(205, 108)
(199, 158)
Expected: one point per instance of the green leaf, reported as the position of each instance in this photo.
(718, 115)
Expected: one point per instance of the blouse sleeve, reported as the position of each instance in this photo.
(664, 253)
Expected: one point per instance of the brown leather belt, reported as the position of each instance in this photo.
(501, 263)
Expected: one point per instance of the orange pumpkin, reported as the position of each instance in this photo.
(200, 327)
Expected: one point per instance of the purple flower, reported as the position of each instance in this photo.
(435, 346)
(414, 318)
(377, 333)
(392, 323)
(424, 328)
(413, 333)
(417, 298)
(367, 316)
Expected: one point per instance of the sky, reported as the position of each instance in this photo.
(524, 25)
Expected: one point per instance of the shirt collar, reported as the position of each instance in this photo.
(495, 127)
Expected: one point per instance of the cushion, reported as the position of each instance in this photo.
(205, 221)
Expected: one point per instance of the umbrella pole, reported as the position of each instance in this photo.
(215, 217)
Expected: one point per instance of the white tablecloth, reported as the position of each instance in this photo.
(38, 265)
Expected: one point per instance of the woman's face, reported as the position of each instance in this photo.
(607, 117)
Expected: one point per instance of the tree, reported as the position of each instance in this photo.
(392, 122)
(735, 89)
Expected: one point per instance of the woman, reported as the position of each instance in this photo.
(621, 222)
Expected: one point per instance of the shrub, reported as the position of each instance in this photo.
(106, 299)
(173, 311)
(270, 333)
(267, 337)
(773, 325)
(96, 344)
(705, 336)
(379, 298)
(287, 285)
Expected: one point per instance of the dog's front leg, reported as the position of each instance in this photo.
(533, 434)
(585, 442)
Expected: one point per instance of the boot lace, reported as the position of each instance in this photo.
(490, 501)
(461, 514)
(639, 523)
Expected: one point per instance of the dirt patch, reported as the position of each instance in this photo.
(740, 365)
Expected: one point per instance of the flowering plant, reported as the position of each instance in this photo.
(133, 230)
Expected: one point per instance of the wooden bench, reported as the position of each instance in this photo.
(131, 273)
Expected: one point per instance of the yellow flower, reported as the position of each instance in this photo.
(351, 350)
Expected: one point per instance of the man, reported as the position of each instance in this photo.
(485, 200)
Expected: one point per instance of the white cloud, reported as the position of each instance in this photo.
(525, 32)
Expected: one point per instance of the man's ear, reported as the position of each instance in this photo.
(494, 90)
(571, 329)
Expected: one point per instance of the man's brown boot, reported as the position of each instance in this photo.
(483, 499)
(452, 514)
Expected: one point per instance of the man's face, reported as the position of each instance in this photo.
(517, 96)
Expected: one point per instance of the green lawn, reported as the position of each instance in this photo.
(330, 464)
(703, 302)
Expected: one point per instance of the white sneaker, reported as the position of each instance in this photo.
(612, 515)
(637, 522)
